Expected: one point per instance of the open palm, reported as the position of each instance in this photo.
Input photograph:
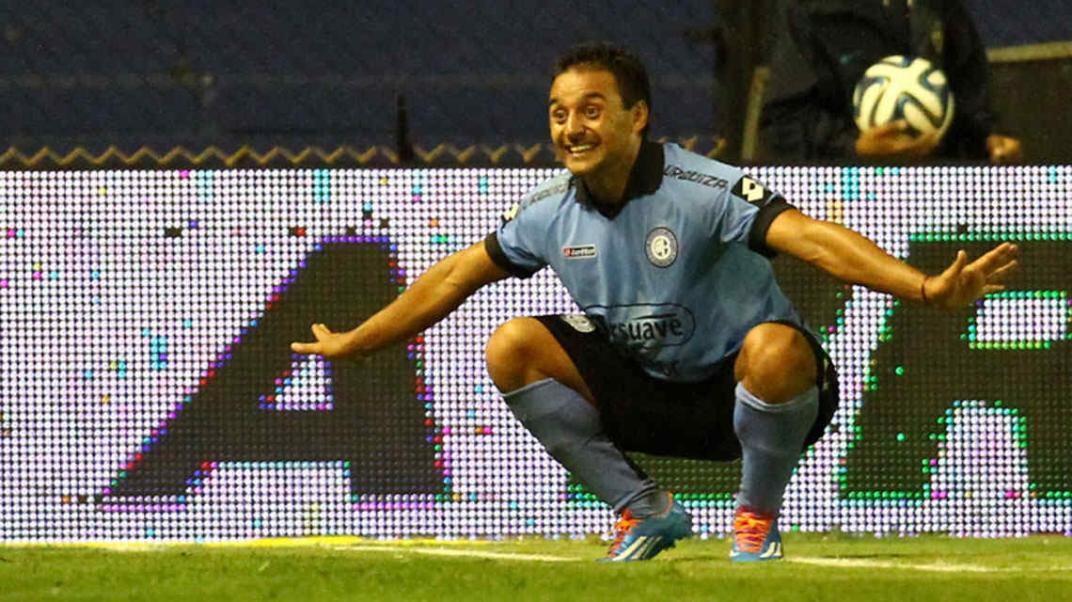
(962, 282)
(328, 343)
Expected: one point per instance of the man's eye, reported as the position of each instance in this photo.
(558, 116)
(591, 112)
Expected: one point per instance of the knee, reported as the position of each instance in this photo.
(776, 363)
(509, 352)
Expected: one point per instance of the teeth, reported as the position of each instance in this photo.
(581, 148)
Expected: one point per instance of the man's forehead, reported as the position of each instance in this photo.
(580, 83)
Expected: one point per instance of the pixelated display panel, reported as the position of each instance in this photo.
(148, 390)
(1007, 357)
(377, 407)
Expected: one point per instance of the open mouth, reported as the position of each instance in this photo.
(579, 150)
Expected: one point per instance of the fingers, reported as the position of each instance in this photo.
(962, 283)
(957, 266)
(321, 332)
(925, 143)
(911, 145)
(997, 258)
(1004, 149)
(306, 348)
(891, 128)
(1003, 272)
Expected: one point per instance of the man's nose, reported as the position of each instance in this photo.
(574, 124)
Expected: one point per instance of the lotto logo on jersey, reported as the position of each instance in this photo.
(579, 252)
(752, 191)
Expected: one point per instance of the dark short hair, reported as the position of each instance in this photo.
(628, 70)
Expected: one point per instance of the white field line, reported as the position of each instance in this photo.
(455, 552)
(932, 567)
(459, 549)
(425, 547)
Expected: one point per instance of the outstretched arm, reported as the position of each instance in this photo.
(853, 258)
(435, 294)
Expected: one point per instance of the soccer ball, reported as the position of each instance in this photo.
(902, 87)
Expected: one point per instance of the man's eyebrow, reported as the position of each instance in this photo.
(553, 101)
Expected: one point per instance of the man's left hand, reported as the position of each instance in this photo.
(962, 282)
(1003, 149)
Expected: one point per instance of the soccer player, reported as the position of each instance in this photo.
(687, 346)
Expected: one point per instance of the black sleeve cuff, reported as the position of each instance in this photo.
(757, 239)
(494, 249)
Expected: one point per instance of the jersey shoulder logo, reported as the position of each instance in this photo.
(555, 186)
(691, 175)
(511, 213)
(661, 247)
(752, 191)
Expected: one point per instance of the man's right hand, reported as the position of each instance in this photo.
(328, 344)
(894, 140)
(430, 298)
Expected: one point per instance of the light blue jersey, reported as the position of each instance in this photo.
(675, 277)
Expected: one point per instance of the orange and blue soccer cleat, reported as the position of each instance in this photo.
(755, 537)
(644, 538)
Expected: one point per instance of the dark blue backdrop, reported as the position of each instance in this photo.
(198, 72)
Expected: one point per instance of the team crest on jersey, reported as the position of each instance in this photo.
(579, 252)
(661, 247)
(752, 191)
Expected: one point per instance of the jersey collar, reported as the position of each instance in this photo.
(644, 179)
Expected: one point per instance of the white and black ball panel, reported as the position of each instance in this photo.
(901, 87)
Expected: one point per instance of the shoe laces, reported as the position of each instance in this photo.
(622, 527)
(750, 529)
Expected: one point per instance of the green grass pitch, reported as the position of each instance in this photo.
(817, 567)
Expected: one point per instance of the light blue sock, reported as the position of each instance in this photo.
(772, 438)
(571, 431)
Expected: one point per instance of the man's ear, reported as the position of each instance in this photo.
(640, 114)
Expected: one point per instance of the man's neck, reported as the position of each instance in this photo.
(609, 185)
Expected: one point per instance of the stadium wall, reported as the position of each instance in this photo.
(200, 75)
(148, 391)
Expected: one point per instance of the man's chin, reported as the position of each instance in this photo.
(580, 167)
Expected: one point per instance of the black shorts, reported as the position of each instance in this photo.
(685, 420)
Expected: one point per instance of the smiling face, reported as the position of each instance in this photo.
(595, 136)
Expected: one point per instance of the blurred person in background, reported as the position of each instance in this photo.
(823, 47)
